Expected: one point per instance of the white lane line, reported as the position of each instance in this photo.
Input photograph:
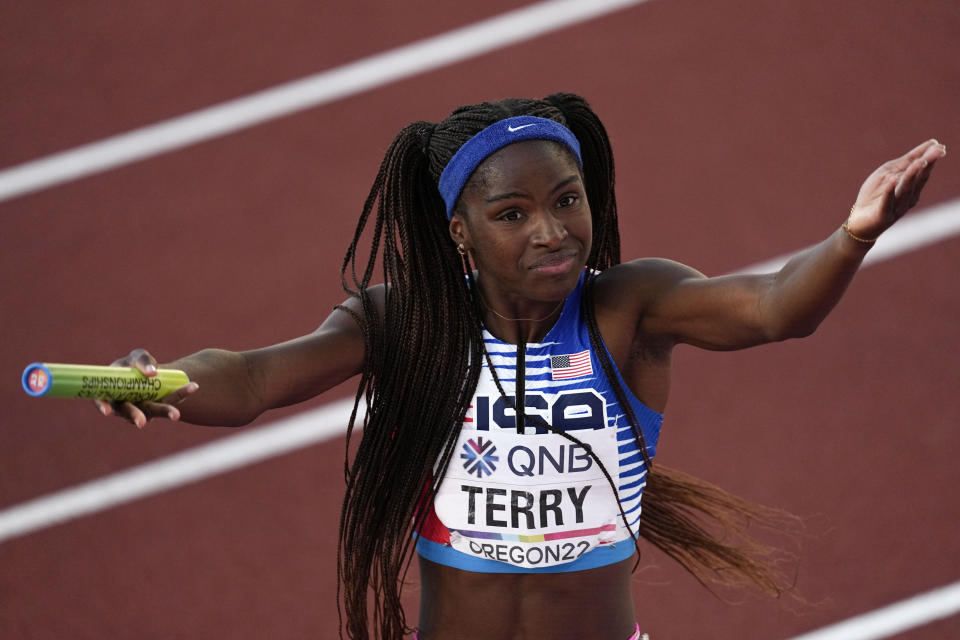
(364, 74)
(915, 231)
(895, 618)
(192, 465)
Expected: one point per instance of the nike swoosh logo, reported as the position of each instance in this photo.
(513, 129)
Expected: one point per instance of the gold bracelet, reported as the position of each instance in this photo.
(856, 237)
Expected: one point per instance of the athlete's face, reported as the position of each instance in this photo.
(525, 219)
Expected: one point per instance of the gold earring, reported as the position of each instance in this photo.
(461, 250)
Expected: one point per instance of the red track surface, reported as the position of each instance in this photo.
(742, 131)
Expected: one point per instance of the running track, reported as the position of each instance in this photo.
(742, 131)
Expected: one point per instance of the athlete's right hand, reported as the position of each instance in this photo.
(140, 413)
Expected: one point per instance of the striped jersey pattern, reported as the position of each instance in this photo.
(629, 471)
(563, 363)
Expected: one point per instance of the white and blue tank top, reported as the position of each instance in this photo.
(536, 501)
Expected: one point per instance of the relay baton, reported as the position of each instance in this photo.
(119, 384)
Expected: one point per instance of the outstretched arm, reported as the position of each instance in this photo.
(731, 312)
(230, 388)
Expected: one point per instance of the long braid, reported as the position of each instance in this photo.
(427, 334)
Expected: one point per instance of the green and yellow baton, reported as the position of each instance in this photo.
(118, 384)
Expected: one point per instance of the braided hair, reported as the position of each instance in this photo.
(423, 362)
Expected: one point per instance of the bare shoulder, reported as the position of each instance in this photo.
(625, 297)
(633, 286)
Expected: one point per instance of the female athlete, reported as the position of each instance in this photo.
(514, 373)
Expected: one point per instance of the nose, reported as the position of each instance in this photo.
(550, 230)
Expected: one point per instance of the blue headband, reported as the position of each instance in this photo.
(498, 135)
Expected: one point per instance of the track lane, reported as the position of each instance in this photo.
(709, 121)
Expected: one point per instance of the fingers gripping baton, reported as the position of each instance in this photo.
(119, 384)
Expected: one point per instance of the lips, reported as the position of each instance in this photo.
(554, 262)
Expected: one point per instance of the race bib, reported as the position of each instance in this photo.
(530, 501)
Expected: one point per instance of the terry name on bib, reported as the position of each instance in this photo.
(529, 500)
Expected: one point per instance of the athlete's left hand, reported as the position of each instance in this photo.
(891, 190)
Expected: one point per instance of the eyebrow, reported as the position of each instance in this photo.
(517, 194)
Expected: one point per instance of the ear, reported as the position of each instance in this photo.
(459, 232)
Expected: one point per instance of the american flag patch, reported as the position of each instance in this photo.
(573, 365)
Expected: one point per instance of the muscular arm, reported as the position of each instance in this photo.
(236, 387)
(668, 301)
(230, 388)
(737, 311)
